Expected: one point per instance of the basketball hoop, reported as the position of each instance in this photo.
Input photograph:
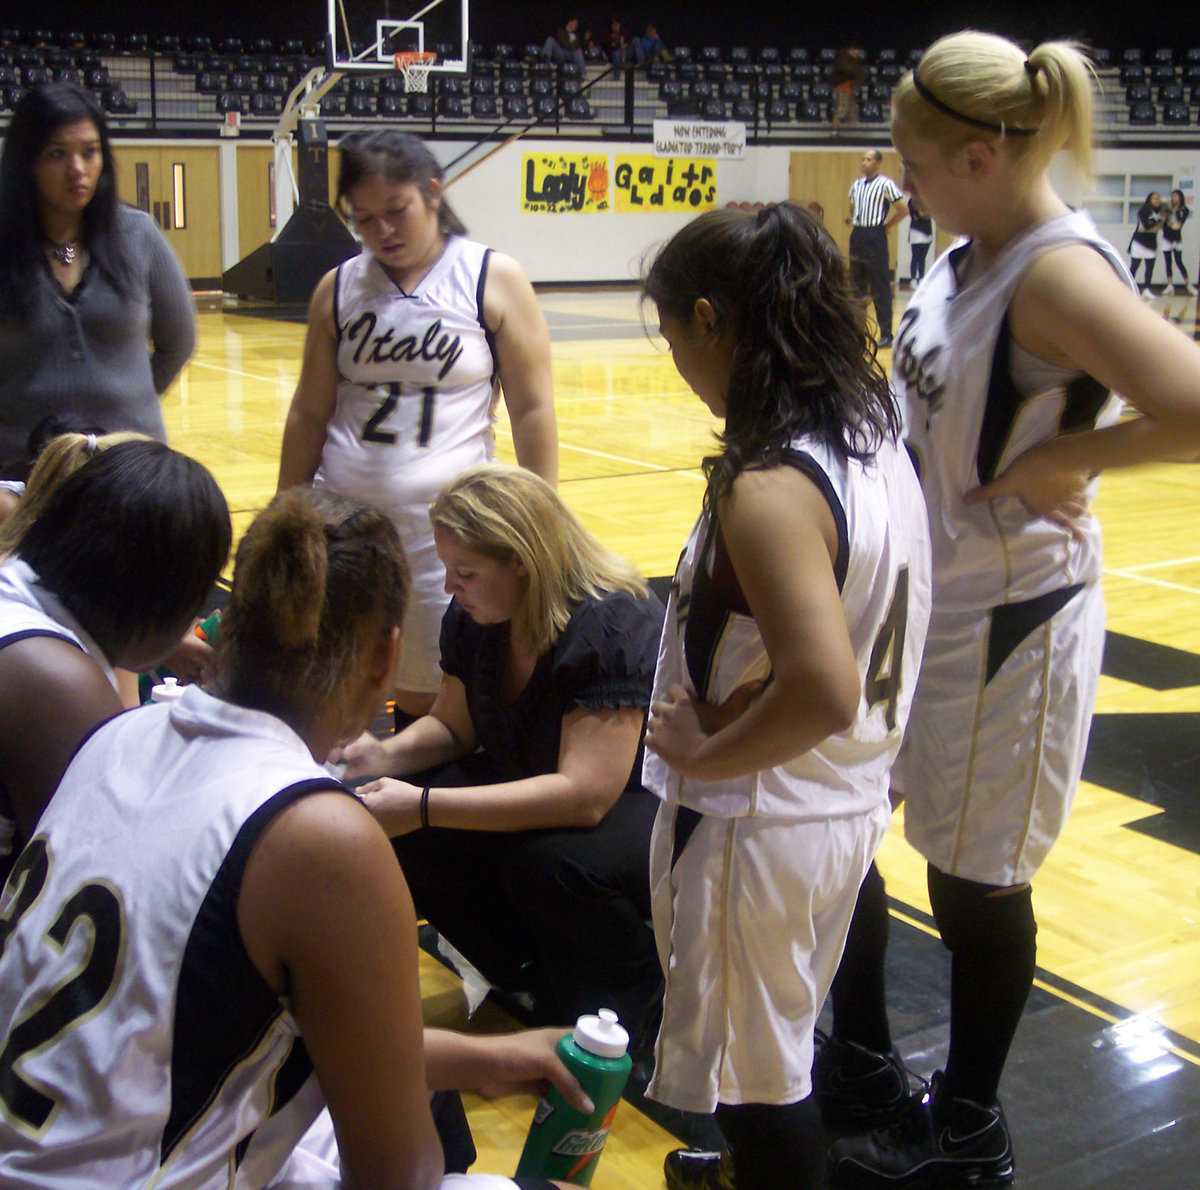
(415, 66)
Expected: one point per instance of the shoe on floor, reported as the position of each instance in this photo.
(698, 1169)
(942, 1142)
(1147, 293)
(856, 1088)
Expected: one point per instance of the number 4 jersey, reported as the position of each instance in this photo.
(711, 645)
(418, 379)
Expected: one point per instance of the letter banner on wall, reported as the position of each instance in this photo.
(725, 139)
(557, 182)
(665, 184)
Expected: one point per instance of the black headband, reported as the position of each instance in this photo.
(1003, 129)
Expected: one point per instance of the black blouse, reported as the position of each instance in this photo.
(605, 657)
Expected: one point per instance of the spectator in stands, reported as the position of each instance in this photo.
(85, 283)
(618, 48)
(848, 75)
(653, 48)
(566, 45)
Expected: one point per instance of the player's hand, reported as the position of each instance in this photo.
(395, 804)
(526, 1062)
(1045, 487)
(675, 731)
(190, 658)
(365, 757)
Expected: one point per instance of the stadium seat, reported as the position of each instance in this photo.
(578, 108)
(1177, 113)
(777, 111)
(1143, 113)
(483, 107)
(516, 107)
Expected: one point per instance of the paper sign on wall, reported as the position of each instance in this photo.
(724, 139)
(558, 182)
(646, 183)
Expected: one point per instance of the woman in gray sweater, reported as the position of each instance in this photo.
(96, 314)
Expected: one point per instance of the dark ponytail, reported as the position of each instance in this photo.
(803, 363)
(316, 576)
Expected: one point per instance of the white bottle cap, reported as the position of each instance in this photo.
(601, 1035)
(167, 691)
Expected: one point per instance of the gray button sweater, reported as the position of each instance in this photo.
(94, 354)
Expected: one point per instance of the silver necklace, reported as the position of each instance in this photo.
(65, 253)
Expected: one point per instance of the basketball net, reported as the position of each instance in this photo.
(414, 65)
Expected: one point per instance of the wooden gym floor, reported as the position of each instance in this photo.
(1103, 1087)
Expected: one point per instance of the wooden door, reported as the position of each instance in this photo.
(824, 177)
(180, 186)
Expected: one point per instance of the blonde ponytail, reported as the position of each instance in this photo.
(978, 86)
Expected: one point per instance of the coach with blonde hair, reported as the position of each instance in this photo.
(526, 841)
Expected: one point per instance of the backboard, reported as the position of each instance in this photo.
(365, 35)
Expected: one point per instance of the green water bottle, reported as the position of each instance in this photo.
(563, 1143)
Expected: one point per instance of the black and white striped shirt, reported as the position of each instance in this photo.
(871, 198)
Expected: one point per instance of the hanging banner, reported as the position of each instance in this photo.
(725, 139)
(646, 183)
(554, 183)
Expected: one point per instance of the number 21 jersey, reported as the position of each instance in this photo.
(417, 386)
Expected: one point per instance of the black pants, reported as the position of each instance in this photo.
(560, 913)
(917, 269)
(870, 272)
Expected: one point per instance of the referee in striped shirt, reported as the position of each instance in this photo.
(876, 206)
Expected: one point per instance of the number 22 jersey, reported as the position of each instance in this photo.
(418, 379)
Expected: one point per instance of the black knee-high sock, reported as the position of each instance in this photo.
(991, 934)
(775, 1147)
(858, 994)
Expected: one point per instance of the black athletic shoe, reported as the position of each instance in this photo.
(858, 1089)
(941, 1142)
(885, 340)
(697, 1169)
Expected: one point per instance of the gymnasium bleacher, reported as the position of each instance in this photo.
(187, 84)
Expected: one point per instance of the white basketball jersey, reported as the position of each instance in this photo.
(883, 573)
(417, 392)
(28, 609)
(140, 1044)
(974, 401)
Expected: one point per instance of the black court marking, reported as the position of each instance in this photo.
(1091, 1105)
(1154, 758)
(1145, 663)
